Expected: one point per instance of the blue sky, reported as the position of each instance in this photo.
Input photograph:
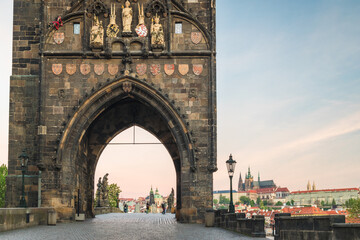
(288, 80)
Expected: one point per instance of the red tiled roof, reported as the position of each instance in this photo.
(266, 190)
(328, 190)
(284, 189)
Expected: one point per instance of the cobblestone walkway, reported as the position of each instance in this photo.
(123, 226)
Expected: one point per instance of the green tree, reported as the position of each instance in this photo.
(288, 203)
(323, 203)
(258, 201)
(333, 202)
(252, 203)
(224, 200)
(292, 202)
(354, 207)
(3, 174)
(245, 200)
(279, 203)
(216, 201)
(114, 190)
(350, 202)
(266, 203)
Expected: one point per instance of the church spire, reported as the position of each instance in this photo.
(240, 185)
(308, 186)
(249, 173)
(313, 187)
(259, 177)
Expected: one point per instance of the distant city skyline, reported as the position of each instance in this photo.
(288, 84)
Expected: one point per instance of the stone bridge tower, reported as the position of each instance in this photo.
(85, 70)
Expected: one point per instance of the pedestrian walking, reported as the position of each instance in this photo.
(125, 208)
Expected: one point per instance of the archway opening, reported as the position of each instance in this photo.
(136, 161)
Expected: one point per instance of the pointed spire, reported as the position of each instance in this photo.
(259, 177)
(249, 173)
(313, 187)
(240, 183)
(308, 186)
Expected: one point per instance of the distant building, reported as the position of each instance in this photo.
(310, 197)
(250, 184)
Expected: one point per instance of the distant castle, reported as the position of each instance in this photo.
(250, 184)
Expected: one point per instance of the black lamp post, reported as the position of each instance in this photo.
(24, 159)
(230, 164)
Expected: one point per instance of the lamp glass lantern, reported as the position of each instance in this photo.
(230, 164)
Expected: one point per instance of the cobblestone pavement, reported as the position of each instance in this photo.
(123, 226)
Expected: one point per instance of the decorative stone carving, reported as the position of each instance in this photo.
(59, 37)
(141, 29)
(85, 69)
(57, 69)
(157, 33)
(99, 69)
(112, 28)
(169, 69)
(71, 69)
(156, 8)
(141, 69)
(98, 192)
(113, 69)
(183, 69)
(155, 69)
(170, 200)
(197, 69)
(127, 14)
(196, 37)
(97, 7)
(97, 34)
(127, 87)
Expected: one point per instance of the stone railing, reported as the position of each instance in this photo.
(105, 210)
(16, 218)
(330, 227)
(237, 222)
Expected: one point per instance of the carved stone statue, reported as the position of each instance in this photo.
(97, 34)
(170, 200)
(105, 191)
(157, 33)
(98, 193)
(127, 14)
(113, 28)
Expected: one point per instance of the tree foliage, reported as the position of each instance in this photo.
(3, 174)
(216, 201)
(224, 200)
(245, 200)
(114, 191)
(354, 207)
(279, 203)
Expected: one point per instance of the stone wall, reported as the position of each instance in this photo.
(237, 222)
(315, 228)
(16, 218)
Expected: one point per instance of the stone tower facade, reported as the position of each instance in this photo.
(85, 70)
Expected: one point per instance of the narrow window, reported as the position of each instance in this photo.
(76, 28)
(178, 28)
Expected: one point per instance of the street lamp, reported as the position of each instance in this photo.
(230, 164)
(24, 159)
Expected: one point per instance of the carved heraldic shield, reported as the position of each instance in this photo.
(99, 69)
(198, 69)
(169, 69)
(85, 69)
(183, 69)
(141, 69)
(113, 69)
(57, 69)
(196, 37)
(127, 87)
(155, 69)
(59, 37)
(71, 69)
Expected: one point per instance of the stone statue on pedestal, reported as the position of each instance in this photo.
(98, 193)
(97, 34)
(105, 191)
(157, 33)
(127, 14)
(170, 200)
